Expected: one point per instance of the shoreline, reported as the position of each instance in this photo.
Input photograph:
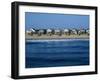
(61, 39)
(64, 39)
(54, 40)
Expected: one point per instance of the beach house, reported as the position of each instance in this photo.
(58, 32)
(40, 32)
(30, 31)
(33, 31)
(82, 31)
(66, 32)
(74, 31)
(49, 32)
(87, 31)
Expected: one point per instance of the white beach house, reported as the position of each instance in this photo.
(74, 31)
(66, 31)
(33, 31)
(82, 31)
(49, 32)
(87, 31)
(57, 32)
(40, 32)
(28, 32)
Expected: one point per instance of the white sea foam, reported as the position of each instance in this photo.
(48, 40)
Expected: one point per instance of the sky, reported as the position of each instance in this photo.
(55, 21)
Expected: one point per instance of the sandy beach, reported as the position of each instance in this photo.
(84, 36)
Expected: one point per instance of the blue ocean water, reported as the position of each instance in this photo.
(56, 53)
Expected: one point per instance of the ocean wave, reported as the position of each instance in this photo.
(48, 40)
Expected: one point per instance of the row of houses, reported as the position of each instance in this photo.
(59, 32)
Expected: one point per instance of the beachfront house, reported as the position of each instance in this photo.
(87, 31)
(74, 31)
(57, 32)
(30, 31)
(82, 31)
(66, 32)
(49, 32)
(33, 31)
(40, 32)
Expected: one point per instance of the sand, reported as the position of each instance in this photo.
(84, 36)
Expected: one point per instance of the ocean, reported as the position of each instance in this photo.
(56, 53)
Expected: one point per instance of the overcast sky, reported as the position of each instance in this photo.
(58, 21)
